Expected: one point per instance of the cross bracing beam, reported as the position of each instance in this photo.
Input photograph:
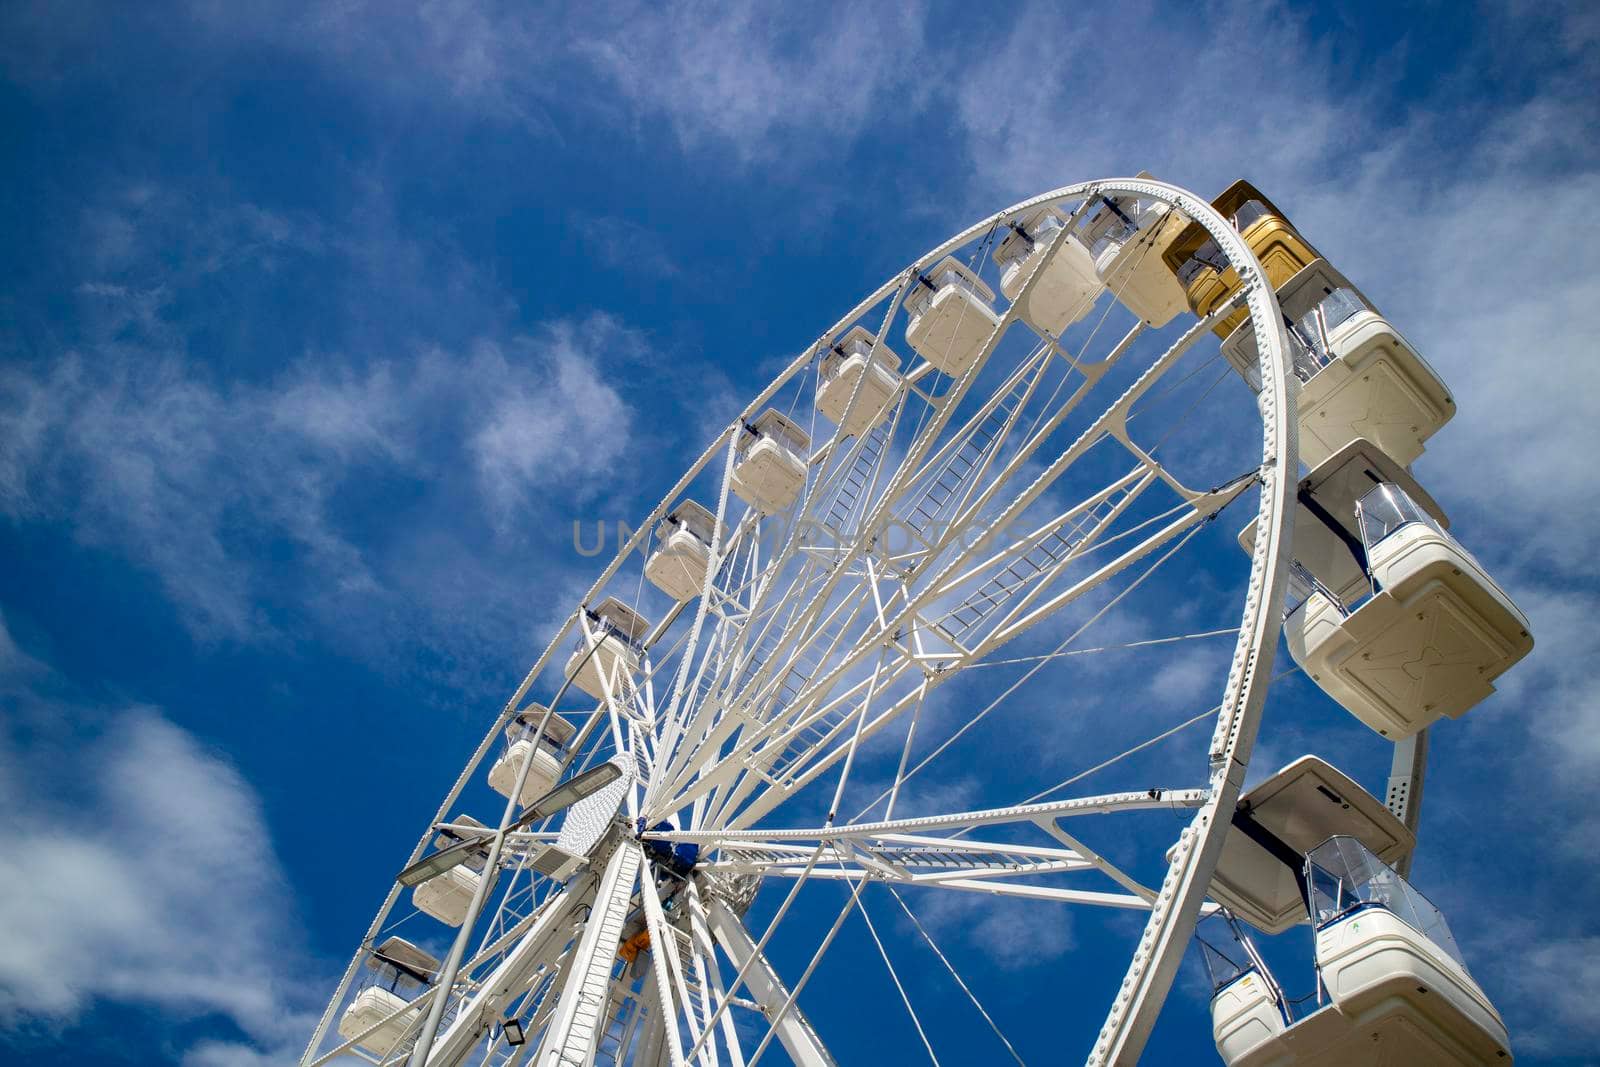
(794, 1030)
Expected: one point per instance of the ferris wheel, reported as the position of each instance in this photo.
(949, 585)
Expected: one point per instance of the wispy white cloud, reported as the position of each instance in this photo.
(633, 250)
(150, 459)
(1009, 933)
(744, 79)
(1549, 979)
(144, 455)
(555, 422)
(15, 664)
(142, 449)
(136, 867)
(747, 77)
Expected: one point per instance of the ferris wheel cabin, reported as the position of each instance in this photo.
(1388, 614)
(1429, 642)
(1128, 240)
(1398, 990)
(1327, 532)
(678, 565)
(1259, 877)
(1359, 377)
(769, 468)
(547, 753)
(1068, 286)
(615, 632)
(447, 896)
(856, 360)
(378, 1016)
(1209, 280)
(950, 315)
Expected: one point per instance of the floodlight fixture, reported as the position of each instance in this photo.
(568, 793)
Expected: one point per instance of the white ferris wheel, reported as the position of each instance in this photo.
(963, 547)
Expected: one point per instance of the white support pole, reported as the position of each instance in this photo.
(480, 1011)
(1406, 773)
(575, 1030)
(799, 1040)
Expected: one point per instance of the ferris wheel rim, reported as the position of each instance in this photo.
(1243, 695)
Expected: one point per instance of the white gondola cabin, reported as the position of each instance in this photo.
(769, 466)
(678, 565)
(1127, 238)
(855, 359)
(1247, 1007)
(615, 631)
(1390, 963)
(1258, 876)
(1327, 533)
(547, 753)
(950, 316)
(1397, 989)
(378, 1016)
(1067, 289)
(1430, 641)
(447, 896)
(1359, 377)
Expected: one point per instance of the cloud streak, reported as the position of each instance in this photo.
(136, 866)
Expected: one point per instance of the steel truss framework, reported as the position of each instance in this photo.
(1021, 492)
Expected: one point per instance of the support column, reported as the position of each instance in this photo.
(581, 1013)
(799, 1040)
(510, 978)
(1406, 773)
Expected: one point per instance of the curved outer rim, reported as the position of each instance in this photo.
(1171, 924)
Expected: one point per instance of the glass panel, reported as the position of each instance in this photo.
(1251, 212)
(1222, 967)
(857, 346)
(1384, 510)
(1043, 230)
(1250, 352)
(1013, 248)
(1207, 257)
(1022, 241)
(831, 365)
(777, 432)
(918, 297)
(1310, 332)
(1223, 948)
(1339, 305)
(1342, 874)
(604, 628)
(952, 277)
(1302, 583)
(1306, 356)
(1105, 227)
(1191, 267)
(526, 734)
(1303, 361)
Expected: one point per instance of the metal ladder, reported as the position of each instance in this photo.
(841, 509)
(592, 987)
(805, 739)
(942, 485)
(698, 1005)
(613, 1045)
(961, 621)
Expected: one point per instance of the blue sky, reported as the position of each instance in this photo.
(318, 327)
